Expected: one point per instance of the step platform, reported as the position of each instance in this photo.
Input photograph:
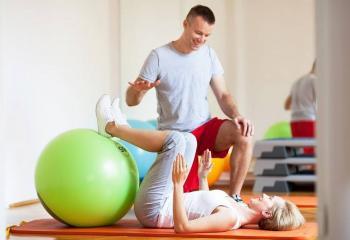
(282, 167)
(282, 148)
(287, 184)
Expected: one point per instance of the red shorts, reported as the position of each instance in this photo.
(206, 136)
(304, 129)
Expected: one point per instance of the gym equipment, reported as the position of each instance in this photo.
(280, 165)
(301, 201)
(144, 159)
(131, 228)
(227, 160)
(218, 167)
(84, 179)
(279, 130)
(153, 122)
(134, 123)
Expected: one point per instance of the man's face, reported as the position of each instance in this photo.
(196, 31)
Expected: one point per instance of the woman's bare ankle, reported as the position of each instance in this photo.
(109, 127)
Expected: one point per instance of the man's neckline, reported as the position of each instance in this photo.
(172, 45)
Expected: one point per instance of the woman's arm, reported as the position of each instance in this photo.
(221, 220)
(203, 184)
(179, 175)
(204, 167)
(180, 217)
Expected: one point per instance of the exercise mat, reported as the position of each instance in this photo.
(300, 201)
(51, 227)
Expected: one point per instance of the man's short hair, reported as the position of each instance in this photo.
(203, 11)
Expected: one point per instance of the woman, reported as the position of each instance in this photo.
(302, 101)
(161, 201)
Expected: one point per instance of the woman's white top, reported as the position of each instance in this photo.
(197, 204)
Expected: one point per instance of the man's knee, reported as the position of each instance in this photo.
(230, 135)
(244, 142)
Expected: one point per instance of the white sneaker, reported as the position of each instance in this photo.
(239, 200)
(119, 117)
(104, 114)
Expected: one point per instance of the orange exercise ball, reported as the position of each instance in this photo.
(218, 167)
(227, 161)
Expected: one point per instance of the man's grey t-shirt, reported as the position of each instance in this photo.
(184, 82)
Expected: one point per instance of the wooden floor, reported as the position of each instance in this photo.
(35, 211)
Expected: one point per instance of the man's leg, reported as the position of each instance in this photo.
(241, 155)
(304, 129)
(206, 135)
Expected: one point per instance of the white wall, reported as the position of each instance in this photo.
(333, 35)
(264, 45)
(144, 25)
(2, 140)
(279, 47)
(58, 58)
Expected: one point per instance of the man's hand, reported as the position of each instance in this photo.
(245, 125)
(180, 170)
(204, 164)
(143, 85)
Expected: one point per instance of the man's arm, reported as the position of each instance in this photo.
(228, 106)
(223, 97)
(137, 90)
(288, 103)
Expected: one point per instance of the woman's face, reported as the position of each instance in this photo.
(264, 202)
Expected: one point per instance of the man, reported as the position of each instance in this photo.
(181, 72)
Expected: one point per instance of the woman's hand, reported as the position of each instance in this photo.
(205, 164)
(180, 170)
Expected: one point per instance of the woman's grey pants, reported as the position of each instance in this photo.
(157, 184)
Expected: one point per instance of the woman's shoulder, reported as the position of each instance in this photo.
(219, 192)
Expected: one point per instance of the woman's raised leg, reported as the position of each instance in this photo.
(157, 185)
(151, 141)
(111, 122)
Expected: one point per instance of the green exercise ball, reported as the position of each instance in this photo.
(278, 130)
(86, 180)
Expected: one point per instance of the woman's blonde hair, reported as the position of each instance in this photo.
(286, 217)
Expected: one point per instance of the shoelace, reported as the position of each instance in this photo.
(237, 198)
